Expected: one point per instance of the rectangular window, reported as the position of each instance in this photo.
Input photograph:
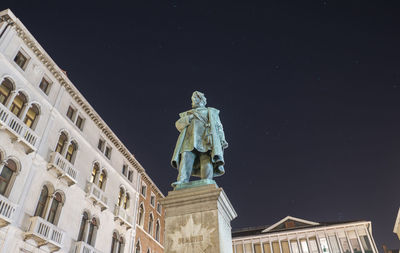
(324, 245)
(304, 245)
(152, 200)
(313, 245)
(130, 175)
(143, 190)
(158, 207)
(100, 145)
(247, 247)
(71, 113)
(267, 248)
(334, 244)
(107, 152)
(21, 60)
(257, 248)
(79, 122)
(285, 247)
(124, 169)
(45, 86)
(345, 245)
(275, 247)
(295, 247)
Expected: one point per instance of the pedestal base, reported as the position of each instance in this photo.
(197, 220)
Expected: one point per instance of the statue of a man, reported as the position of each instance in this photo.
(199, 150)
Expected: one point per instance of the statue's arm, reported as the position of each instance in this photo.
(183, 122)
(221, 133)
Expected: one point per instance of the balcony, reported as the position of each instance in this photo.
(45, 233)
(83, 247)
(63, 168)
(18, 128)
(98, 197)
(122, 216)
(7, 210)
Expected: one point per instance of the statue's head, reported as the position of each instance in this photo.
(198, 99)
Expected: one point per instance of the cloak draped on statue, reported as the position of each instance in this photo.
(218, 144)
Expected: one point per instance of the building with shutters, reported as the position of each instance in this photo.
(67, 183)
(294, 235)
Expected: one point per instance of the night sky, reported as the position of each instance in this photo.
(309, 93)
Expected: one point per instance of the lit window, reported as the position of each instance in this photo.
(120, 196)
(45, 86)
(18, 103)
(71, 152)
(102, 180)
(21, 60)
(5, 90)
(31, 116)
(126, 201)
(95, 173)
(61, 143)
(71, 113)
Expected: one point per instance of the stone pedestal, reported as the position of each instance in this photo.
(197, 220)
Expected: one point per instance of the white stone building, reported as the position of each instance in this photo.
(67, 183)
(293, 235)
(396, 228)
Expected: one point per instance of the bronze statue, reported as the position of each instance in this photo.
(199, 150)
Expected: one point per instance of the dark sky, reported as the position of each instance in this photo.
(309, 93)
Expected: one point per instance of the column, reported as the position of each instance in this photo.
(348, 241)
(11, 98)
(24, 110)
(358, 239)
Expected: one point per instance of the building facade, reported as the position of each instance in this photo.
(293, 235)
(396, 228)
(67, 183)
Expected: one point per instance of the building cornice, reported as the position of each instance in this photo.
(61, 77)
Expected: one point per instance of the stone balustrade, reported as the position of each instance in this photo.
(122, 215)
(96, 194)
(7, 210)
(64, 169)
(18, 128)
(45, 233)
(83, 247)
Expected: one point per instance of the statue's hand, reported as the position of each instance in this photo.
(224, 144)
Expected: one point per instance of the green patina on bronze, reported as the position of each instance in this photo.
(199, 150)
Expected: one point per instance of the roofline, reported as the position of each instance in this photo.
(30, 41)
(295, 231)
(287, 218)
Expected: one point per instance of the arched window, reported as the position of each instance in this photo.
(137, 249)
(148, 250)
(5, 90)
(126, 201)
(114, 243)
(7, 177)
(71, 151)
(55, 209)
(102, 180)
(121, 245)
(92, 232)
(85, 218)
(62, 140)
(121, 196)
(158, 231)
(41, 206)
(141, 215)
(18, 104)
(95, 173)
(151, 220)
(31, 116)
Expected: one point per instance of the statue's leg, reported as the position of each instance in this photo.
(186, 166)
(207, 170)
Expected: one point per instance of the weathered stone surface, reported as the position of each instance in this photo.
(198, 220)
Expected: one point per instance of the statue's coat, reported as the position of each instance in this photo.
(217, 136)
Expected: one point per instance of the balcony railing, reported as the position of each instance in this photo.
(83, 247)
(63, 168)
(45, 233)
(121, 214)
(7, 210)
(18, 128)
(96, 194)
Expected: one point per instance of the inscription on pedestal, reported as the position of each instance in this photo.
(191, 237)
